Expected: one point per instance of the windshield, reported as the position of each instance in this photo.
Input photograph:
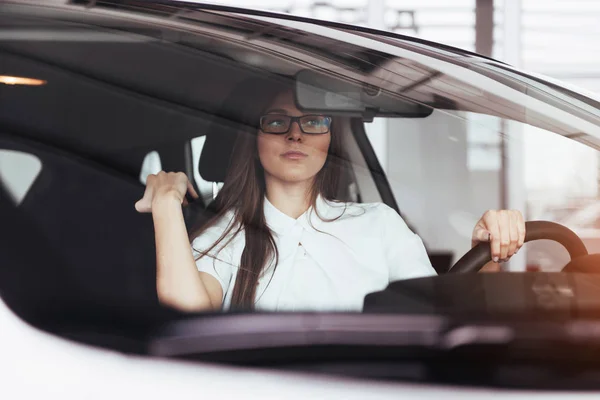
(177, 165)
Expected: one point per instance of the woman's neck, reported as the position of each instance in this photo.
(292, 199)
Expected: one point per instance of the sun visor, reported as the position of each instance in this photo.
(320, 92)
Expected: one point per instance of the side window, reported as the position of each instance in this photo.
(446, 169)
(586, 216)
(18, 172)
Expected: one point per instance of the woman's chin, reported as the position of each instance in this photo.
(295, 176)
(292, 172)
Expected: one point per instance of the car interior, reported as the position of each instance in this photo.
(78, 260)
(85, 255)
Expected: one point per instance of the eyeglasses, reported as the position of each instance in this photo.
(278, 124)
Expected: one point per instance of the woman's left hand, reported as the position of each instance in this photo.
(504, 229)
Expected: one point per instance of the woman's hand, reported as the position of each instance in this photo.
(165, 185)
(178, 282)
(504, 229)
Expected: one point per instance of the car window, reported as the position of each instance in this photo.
(414, 147)
(360, 185)
(446, 170)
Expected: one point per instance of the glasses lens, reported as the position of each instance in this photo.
(275, 123)
(315, 124)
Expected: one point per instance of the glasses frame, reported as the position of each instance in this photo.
(297, 120)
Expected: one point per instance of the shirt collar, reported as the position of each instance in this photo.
(282, 223)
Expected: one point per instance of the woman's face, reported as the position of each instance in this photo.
(293, 156)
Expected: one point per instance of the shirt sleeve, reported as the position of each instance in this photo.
(217, 262)
(405, 252)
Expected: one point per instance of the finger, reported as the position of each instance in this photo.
(514, 233)
(504, 226)
(191, 190)
(142, 206)
(491, 223)
(520, 229)
(145, 203)
(480, 234)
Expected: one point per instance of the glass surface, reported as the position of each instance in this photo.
(136, 90)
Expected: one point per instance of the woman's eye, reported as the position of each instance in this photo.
(315, 122)
(276, 122)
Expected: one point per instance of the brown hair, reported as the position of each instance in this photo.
(243, 193)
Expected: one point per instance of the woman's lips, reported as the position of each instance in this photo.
(294, 155)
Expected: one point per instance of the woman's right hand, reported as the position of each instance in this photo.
(165, 185)
(178, 282)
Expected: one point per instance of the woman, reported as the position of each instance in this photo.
(280, 240)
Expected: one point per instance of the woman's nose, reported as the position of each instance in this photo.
(295, 133)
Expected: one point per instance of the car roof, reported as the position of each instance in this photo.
(176, 7)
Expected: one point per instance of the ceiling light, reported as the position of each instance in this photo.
(19, 80)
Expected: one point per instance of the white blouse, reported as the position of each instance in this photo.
(326, 264)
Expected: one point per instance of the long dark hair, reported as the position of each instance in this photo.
(243, 191)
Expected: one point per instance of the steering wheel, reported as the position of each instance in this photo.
(480, 255)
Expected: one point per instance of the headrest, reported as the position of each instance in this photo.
(239, 113)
